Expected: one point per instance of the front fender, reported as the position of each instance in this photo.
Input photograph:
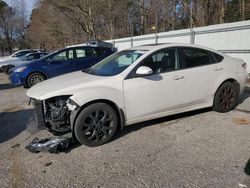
(99, 93)
(87, 96)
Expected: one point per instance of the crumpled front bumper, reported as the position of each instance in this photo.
(39, 115)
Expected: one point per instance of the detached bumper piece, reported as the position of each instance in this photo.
(51, 145)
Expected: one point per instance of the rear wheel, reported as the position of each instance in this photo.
(96, 124)
(35, 78)
(226, 97)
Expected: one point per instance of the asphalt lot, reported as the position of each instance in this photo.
(196, 149)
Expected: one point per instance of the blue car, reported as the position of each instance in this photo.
(61, 62)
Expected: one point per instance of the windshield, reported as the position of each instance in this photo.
(20, 54)
(116, 63)
(29, 57)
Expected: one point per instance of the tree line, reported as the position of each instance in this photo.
(58, 23)
(13, 25)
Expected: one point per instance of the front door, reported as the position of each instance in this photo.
(61, 63)
(150, 96)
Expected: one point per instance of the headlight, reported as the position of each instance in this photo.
(20, 69)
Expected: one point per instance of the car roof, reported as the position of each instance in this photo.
(32, 53)
(154, 47)
(74, 47)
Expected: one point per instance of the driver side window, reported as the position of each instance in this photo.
(162, 61)
(62, 56)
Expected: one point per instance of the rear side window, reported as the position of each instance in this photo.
(217, 58)
(85, 52)
(103, 51)
(80, 53)
(194, 57)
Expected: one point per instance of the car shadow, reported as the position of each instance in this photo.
(138, 126)
(244, 95)
(6, 86)
(247, 168)
(73, 144)
(13, 123)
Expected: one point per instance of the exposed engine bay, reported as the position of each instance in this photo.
(57, 114)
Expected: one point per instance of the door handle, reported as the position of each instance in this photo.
(178, 77)
(218, 69)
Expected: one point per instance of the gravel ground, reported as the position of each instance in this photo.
(196, 149)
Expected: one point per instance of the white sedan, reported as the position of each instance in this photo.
(135, 85)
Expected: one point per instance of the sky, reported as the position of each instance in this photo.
(30, 4)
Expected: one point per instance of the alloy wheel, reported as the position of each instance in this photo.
(98, 126)
(227, 98)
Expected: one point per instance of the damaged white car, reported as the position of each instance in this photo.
(135, 85)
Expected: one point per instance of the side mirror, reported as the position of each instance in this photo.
(143, 70)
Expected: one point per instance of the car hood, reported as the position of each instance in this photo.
(8, 58)
(7, 62)
(67, 84)
(10, 62)
(18, 64)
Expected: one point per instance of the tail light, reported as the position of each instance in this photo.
(244, 66)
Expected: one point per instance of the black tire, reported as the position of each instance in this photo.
(35, 78)
(226, 97)
(96, 124)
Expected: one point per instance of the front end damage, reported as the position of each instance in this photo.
(54, 114)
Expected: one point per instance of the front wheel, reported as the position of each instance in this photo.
(226, 97)
(96, 124)
(35, 78)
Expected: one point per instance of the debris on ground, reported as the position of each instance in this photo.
(15, 146)
(51, 145)
(241, 121)
(242, 185)
(48, 164)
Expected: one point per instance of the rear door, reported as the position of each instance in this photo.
(104, 52)
(85, 58)
(200, 72)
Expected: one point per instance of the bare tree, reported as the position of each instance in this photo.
(64, 22)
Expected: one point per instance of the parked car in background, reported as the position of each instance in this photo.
(58, 63)
(135, 85)
(17, 55)
(7, 66)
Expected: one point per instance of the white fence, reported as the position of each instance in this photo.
(231, 38)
